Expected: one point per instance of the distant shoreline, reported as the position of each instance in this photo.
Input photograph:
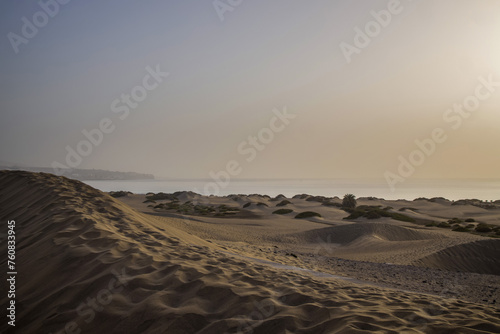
(87, 174)
(483, 191)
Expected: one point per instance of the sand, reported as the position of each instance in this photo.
(90, 263)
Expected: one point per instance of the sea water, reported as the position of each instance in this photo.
(482, 189)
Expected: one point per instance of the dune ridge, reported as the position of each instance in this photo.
(89, 263)
(480, 256)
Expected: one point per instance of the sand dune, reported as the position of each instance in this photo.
(89, 263)
(481, 257)
(346, 234)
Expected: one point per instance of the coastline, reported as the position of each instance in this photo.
(450, 189)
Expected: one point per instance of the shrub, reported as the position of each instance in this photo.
(483, 228)
(349, 201)
(120, 193)
(330, 203)
(278, 197)
(461, 229)
(262, 204)
(246, 205)
(223, 208)
(161, 196)
(454, 221)
(433, 224)
(283, 202)
(434, 199)
(444, 225)
(203, 209)
(374, 212)
(234, 197)
(470, 220)
(301, 196)
(307, 214)
(172, 206)
(372, 215)
(319, 199)
(282, 211)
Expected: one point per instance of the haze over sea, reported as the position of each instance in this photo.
(483, 189)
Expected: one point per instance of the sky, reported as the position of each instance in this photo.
(255, 89)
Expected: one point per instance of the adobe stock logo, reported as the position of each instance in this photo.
(250, 147)
(223, 6)
(454, 118)
(30, 28)
(122, 107)
(363, 37)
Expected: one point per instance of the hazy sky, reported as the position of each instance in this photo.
(229, 66)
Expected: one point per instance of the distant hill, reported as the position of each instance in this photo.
(86, 174)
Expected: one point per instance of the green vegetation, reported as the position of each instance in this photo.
(457, 225)
(161, 196)
(375, 212)
(307, 214)
(227, 209)
(330, 203)
(470, 220)
(301, 196)
(319, 199)
(478, 203)
(455, 221)
(120, 193)
(235, 198)
(262, 204)
(278, 197)
(461, 229)
(283, 202)
(282, 211)
(203, 209)
(246, 205)
(444, 225)
(349, 201)
(483, 228)
(188, 208)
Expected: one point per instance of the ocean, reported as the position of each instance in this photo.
(451, 189)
